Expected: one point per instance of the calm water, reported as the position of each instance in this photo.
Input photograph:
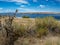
(56, 16)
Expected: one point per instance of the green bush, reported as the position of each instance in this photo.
(42, 32)
(25, 17)
(19, 29)
(42, 28)
(47, 24)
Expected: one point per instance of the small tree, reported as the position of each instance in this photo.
(11, 36)
(0, 23)
(15, 12)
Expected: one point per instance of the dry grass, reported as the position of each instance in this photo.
(24, 21)
(53, 40)
(50, 40)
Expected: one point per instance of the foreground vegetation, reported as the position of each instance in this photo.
(27, 31)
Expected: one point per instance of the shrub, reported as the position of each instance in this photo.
(19, 29)
(47, 24)
(25, 16)
(41, 26)
(42, 32)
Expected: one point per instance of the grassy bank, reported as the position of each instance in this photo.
(32, 31)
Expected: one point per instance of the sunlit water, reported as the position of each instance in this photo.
(56, 16)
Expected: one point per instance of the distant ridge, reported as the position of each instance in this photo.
(41, 12)
(35, 12)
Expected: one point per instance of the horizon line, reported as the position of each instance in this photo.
(34, 12)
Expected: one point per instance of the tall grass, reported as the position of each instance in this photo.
(47, 25)
(41, 27)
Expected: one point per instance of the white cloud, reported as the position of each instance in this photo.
(1, 8)
(42, 6)
(18, 3)
(22, 6)
(21, 1)
(26, 10)
(34, 0)
(6, 10)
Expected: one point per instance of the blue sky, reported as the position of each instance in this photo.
(29, 5)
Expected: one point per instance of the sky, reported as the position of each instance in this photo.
(29, 6)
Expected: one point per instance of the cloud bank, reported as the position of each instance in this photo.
(21, 1)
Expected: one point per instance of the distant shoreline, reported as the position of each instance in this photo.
(40, 12)
(36, 12)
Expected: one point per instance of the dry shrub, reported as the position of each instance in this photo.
(47, 25)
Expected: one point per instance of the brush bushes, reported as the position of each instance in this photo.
(25, 17)
(19, 29)
(47, 25)
(43, 26)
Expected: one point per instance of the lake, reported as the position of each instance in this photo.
(56, 16)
